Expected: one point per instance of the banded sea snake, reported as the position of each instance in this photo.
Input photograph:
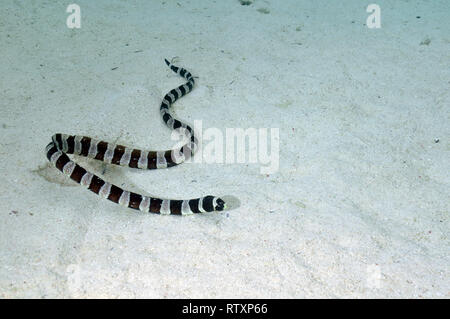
(63, 144)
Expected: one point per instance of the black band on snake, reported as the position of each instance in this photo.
(63, 144)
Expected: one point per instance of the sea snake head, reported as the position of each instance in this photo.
(211, 204)
(219, 204)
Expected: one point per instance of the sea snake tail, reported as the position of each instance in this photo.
(63, 144)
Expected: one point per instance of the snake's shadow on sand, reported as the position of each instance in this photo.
(231, 202)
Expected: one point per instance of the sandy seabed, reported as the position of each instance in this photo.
(359, 204)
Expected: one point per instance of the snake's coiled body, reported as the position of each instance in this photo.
(63, 144)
